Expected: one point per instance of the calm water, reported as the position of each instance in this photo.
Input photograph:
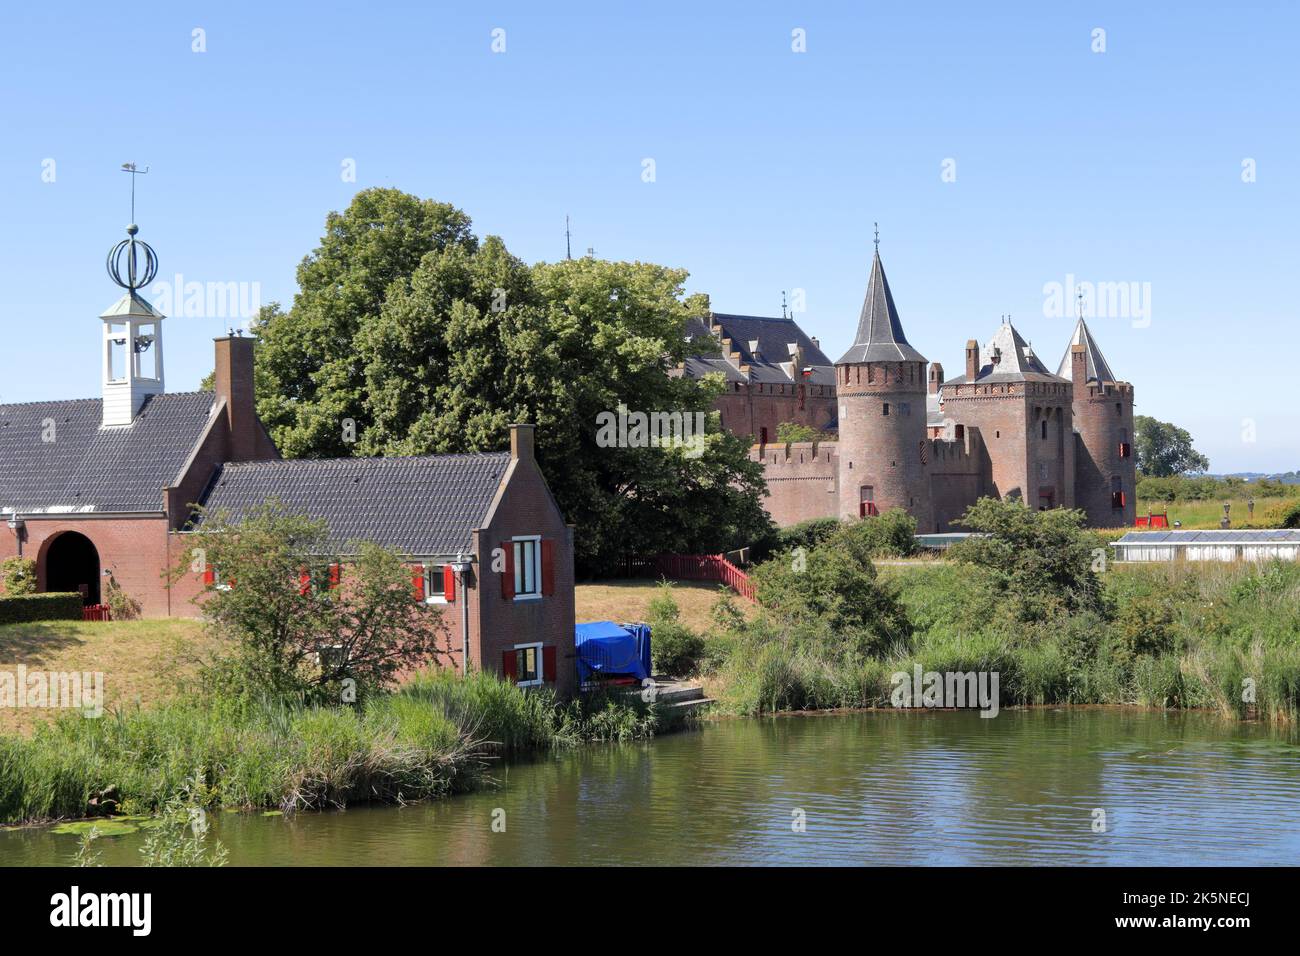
(879, 788)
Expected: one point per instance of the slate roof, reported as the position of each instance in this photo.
(420, 506)
(1098, 370)
(774, 337)
(88, 468)
(1009, 358)
(880, 335)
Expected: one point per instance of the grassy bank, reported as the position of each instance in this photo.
(143, 662)
(1206, 636)
(439, 734)
(1205, 515)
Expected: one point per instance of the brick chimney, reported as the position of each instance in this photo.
(972, 359)
(1079, 369)
(234, 383)
(521, 442)
(936, 377)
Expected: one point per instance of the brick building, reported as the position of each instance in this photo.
(106, 488)
(904, 437)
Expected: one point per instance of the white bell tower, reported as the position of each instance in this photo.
(132, 350)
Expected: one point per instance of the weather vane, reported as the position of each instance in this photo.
(132, 263)
(135, 171)
(877, 225)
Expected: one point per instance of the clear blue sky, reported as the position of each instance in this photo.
(1122, 166)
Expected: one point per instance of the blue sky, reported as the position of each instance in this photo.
(1124, 166)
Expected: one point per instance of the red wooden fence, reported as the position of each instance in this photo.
(692, 567)
(95, 612)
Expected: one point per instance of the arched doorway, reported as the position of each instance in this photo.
(72, 564)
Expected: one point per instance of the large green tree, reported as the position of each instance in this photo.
(1164, 449)
(429, 340)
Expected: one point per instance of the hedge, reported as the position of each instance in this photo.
(56, 606)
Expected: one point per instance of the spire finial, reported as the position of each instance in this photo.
(877, 225)
(783, 314)
(132, 263)
(1079, 297)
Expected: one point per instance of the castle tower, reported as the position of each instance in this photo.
(132, 337)
(1105, 466)
(881, 385)
(1023, 414)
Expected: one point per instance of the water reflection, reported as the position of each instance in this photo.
(879, 788)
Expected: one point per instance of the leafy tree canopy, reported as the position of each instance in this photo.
(1164, 449)
(1043, 559)
(413, 336)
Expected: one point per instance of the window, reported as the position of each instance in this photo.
(434, 584)
(1044, 423)
(528, 567)
(528, 665)
(886, 408)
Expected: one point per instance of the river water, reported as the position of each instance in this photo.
(858, 789)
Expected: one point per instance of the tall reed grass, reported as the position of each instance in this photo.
(437, 735)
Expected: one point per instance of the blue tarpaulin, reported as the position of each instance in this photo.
(611, 649)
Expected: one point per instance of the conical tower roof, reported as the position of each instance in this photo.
(880, 335)
(1098, 370)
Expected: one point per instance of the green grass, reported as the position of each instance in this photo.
(1205, 515)
(436, 736)
(143, 662)
(1184, 636)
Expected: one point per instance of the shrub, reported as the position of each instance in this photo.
(50, 606)
(675, 649)
(17, 576)
(121, 605)
(1291, 516)
(1044, 557)
(892, 534)
(806, 534)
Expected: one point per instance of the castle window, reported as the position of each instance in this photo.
(886, 408)
(1119, 408)
(1044, 423)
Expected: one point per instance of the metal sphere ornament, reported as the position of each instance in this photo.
(132, 263)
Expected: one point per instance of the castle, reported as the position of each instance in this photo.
(898, 435)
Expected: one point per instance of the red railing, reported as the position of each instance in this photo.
(867, 508)
(95, 612)
(693, 567)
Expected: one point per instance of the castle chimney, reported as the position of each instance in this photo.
(936, 377)
(1079, 368)
(521, 442)
(972, 359)
(233, 381)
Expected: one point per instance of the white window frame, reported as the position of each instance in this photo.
(429, 577)
(541, 665)
(535, 540)
(218, 582)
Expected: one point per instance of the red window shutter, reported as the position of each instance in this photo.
(508, 664)
(417, 581)
(548, 566)
(448, 583)
(548, 663)
(508, 575)
(209, 575)
(334, 576)
(304, 582)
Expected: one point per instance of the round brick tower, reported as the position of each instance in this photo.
(1105, 464)
(881, 388)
